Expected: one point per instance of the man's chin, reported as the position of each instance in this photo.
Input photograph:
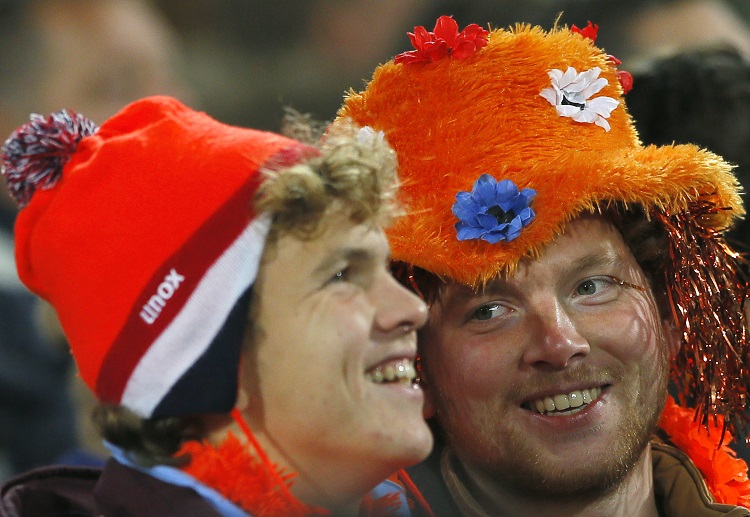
(580, 473)
(563, 482)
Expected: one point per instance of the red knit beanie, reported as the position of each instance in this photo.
(142, 236)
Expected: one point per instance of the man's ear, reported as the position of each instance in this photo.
(246, 382)
(672, 335)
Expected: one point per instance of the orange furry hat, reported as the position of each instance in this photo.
(504, 136)
(452, 120)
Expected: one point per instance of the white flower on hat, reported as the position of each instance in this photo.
(368, 136)
(571, 95)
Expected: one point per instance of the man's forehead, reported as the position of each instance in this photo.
(585, 247)
(363, 242)
(364, 252)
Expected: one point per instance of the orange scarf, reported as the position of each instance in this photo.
(259, 487)
(724, 473)
(243, 479)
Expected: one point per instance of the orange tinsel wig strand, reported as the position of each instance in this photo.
(707, 289)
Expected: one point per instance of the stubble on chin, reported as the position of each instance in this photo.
(501, 454)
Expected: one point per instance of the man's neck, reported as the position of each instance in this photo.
(477, 494)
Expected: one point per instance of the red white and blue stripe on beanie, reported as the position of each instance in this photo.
(186, 360)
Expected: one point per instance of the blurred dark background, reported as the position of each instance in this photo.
(247, 59)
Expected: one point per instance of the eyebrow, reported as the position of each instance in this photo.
(604, 258)
(596, 259)
(347, 254)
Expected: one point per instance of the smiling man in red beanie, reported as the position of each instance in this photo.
(226, 297)
(567, 268)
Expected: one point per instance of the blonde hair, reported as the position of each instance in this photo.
(354, 172)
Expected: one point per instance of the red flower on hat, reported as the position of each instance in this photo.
(444, 41)
(626, 80)
(591, 31)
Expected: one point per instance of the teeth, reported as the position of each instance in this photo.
(561, 402)
(565, 401)
(402, 372)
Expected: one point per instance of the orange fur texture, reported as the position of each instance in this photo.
(451, 121)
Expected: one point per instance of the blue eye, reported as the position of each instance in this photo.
(604, 285)
(592, 286)
(602, 289)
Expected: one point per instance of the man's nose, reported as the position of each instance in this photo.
(399, 308)
(555, 342)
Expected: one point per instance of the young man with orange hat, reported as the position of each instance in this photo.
(567, 268)
(226, 296)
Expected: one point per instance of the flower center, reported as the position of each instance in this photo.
(501, 215)
(566, 102)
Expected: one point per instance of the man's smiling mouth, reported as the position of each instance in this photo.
(563, 404)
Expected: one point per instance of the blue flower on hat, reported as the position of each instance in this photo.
(493, 211)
